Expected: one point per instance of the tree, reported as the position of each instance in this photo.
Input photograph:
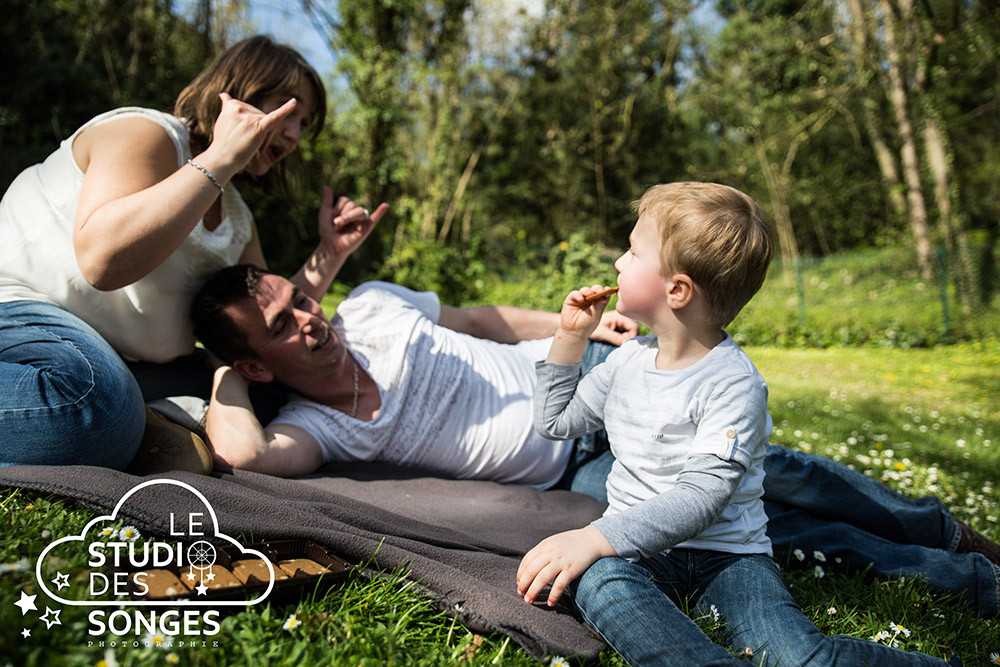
(66, 62)
(910, 50)
(773, 81)
(596, 121)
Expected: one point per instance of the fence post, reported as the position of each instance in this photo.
(945, 317)
(802, 291)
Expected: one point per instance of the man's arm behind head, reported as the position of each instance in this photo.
(239, 441)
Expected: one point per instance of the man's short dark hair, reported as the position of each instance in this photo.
(212, 326)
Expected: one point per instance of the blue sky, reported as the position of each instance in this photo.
(286, 22)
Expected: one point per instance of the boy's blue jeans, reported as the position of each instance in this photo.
(635, 608)
(66, 397)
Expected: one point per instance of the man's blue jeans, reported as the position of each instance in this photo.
(637, 608)
(815, 504)
(67, 397)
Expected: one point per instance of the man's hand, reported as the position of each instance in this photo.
(344, 225)
(615, 328)
(562, 557)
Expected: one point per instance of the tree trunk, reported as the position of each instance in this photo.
(864, 67)
(778, 191)
(908, 150)
(952, 229)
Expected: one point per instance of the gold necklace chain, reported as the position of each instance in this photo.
(354, 410)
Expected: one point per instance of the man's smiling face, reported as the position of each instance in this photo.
(291, 335)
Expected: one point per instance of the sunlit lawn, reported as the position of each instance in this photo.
(924, 421)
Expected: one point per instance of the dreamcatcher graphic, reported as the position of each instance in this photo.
(201, 557)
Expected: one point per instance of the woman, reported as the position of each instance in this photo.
(103, 245)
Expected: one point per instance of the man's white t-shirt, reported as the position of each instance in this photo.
(454, 404)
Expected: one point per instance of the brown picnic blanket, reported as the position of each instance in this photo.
(460, 540)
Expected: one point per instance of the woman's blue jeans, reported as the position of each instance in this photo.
(637, 608)
(67, 397)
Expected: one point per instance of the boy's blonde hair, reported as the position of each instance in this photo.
(714, 234)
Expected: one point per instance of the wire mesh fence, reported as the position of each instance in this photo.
(873, 297)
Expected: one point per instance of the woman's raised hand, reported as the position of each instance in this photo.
(241, 129)
(343, 224)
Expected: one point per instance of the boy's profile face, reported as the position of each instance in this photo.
(642, 288)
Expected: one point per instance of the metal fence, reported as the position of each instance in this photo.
(876, 296)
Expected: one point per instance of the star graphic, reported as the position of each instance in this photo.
(61, 581)
(54, 614)
(26, 603)
(202, 589)
(190, 576)
(210, 576)
(26, 633)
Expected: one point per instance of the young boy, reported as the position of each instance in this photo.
(686, 414)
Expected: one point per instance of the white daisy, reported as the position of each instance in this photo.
(899, 629)
(820, 556)
(799, 554)
(129, 533)
(818, 572)
(291, 623)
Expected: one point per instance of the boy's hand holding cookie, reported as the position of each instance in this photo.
(581, 313)
(582, 309)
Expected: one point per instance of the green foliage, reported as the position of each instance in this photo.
(871, 298)
(65, 62)
(599, 88)
(547, 274)
(428, 266)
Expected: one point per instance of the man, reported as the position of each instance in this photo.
(398, 377)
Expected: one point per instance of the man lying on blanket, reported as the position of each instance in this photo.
(398, 377)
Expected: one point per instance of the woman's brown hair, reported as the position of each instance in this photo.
(249, 71)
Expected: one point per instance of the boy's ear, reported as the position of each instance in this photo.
(253, 370)
(680, 290)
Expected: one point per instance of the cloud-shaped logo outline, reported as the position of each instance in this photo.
(154, 603)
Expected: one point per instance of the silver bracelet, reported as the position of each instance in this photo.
(214, 180)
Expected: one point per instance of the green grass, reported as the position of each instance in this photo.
(868, 298)
(924, 421)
